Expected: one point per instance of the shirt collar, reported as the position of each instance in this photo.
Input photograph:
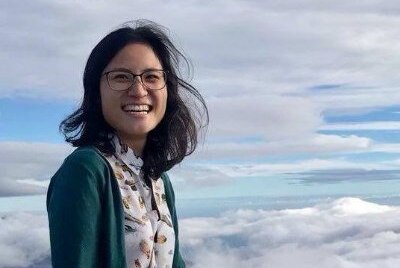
(127, 155)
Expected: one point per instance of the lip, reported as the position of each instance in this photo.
(136, 115)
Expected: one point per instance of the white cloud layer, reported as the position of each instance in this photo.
(317, 143)
(377, 125)
(318, 170)
(24, 240)
(345, 233)
(23, 172)
(263, 116)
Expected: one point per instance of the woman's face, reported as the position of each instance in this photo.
(119, 107)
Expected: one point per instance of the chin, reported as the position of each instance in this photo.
(139, 133)
(136, 130)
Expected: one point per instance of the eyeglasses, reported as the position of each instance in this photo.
(120, 80)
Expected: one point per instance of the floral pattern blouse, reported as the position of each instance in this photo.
(149, 234)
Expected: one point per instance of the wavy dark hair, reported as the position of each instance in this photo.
(176, 136)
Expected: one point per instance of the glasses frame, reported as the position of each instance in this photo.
(134, 76)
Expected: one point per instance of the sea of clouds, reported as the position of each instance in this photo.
(343, 233)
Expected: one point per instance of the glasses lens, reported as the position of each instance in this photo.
(119, 80)
(153, 79)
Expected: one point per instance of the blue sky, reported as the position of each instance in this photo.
(40, 117)
(303, 99)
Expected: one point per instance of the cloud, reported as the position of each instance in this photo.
(343, 233)
(268, 84)
(336, 43)
(303, 166)
(263, 116)
(346, 233)
(23, 174)
(346, 175)
(262, 82)
(14, 188)
(24, 240)
(200, 176)
(386, 148)
(351, 126)
(305, 171)
(356, 100)
(316, 143)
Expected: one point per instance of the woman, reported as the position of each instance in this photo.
(111, 204)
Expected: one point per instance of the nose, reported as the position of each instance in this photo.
(137, 88)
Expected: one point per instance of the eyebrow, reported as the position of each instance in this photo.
(129, 71)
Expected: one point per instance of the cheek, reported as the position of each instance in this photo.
(163, 105)
(103, 103)
(106, 106)
(163, 102)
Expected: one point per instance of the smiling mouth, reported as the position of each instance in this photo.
(137, 108)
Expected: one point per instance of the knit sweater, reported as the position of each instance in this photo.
(86, 215)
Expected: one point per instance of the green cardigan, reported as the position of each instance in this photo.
(86, 215)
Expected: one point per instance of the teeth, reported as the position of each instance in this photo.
(136, 108)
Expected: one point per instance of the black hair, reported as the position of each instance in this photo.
(176, 136)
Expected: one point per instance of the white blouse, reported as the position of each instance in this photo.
(149, 234)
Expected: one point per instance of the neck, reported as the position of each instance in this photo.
(136, 144)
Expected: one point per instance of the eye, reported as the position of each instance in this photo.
(120, 76)
(152, 76)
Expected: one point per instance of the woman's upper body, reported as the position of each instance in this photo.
(133, 91)
(86, 214)
(147, 220)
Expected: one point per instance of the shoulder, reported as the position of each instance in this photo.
(84, 165)
(86, 158)
(89, 155)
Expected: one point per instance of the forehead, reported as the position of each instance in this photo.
(135, 57)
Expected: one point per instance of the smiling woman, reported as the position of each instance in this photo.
(111, 204)
(132, 108)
